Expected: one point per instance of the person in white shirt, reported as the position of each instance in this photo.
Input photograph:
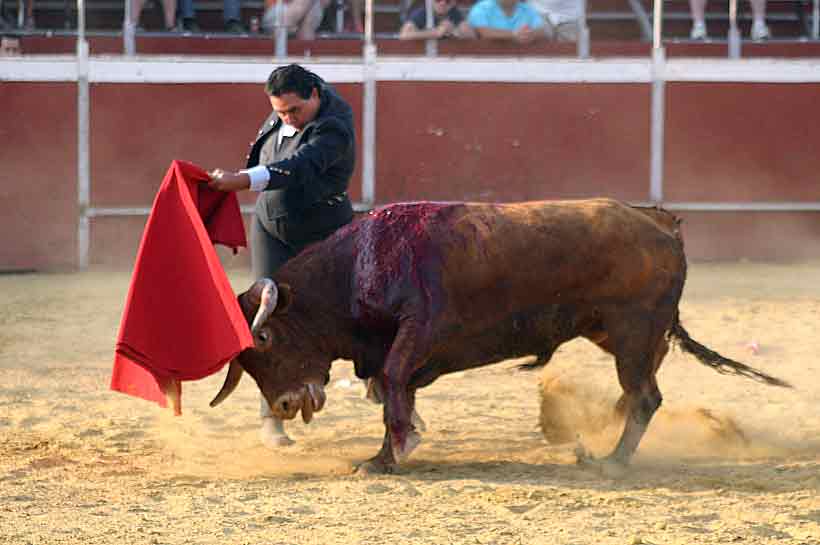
(561, 17)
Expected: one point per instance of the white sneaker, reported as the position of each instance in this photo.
(272, 433)
(760, 31)
(698, 31)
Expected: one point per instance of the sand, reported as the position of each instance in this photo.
(726, 460)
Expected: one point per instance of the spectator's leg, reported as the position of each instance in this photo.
(698, 9)
(269, 19)
(136, 10)
(4, 25)
(232, 10)
(566, 32)
(760, 31)
(296, 12)
(29, 24)
(549, 29)
(268, 254)
(311, 21)
(186, 10)
(357, 15)
(170, 14)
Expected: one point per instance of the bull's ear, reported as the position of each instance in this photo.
(285, 298)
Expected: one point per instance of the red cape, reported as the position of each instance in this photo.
(181, 320)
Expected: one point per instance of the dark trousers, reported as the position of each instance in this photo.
(268, 253)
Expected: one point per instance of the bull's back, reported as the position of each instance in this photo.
(554, 252)
(474, 259)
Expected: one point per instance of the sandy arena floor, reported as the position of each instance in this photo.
(726, 460)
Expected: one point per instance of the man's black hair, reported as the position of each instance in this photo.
(292, 79)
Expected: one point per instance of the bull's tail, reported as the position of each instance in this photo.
(717, 362)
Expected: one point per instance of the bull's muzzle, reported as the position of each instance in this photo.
(309, 399)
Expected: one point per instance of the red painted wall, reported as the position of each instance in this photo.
(38, 184)
(755, 142)
(508, 142)
(453, 141)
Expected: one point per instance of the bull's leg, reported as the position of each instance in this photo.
(375, 394)
(385, 461)
(638, 358)
(407, 354)
(605, 343)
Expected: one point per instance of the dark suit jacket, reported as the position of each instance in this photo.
(306, 199)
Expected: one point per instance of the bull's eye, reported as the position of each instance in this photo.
(263, 336)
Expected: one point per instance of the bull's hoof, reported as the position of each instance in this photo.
(607, 467)
(612, 468)
(374, 466)
(401, 451)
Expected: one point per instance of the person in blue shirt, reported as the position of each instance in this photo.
(506, 20)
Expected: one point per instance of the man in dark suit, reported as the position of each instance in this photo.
(300, 164)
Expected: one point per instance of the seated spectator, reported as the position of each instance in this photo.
(10, 47)
(169, 13)
(231, 16)
(302, 17)
(561, 18)
(506, 20)
(760, 31)
(28, 19)
(447, 22)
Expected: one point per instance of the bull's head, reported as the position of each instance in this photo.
(289, 374)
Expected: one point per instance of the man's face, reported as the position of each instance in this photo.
(442, 6)
(294, 110)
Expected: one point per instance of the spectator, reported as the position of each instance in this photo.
(447, 22)
(231, 16)
(561, 18)
(169, 13)
(760, 31)
(28, 20)
(302, 17)
(10, 47)
(511, 20)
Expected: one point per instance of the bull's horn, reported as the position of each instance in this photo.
(263, 293)
(231, 382)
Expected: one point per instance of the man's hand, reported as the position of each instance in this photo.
(525, 34)
(228, 181)
(445, 28)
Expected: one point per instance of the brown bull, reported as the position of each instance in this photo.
(414, 291)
